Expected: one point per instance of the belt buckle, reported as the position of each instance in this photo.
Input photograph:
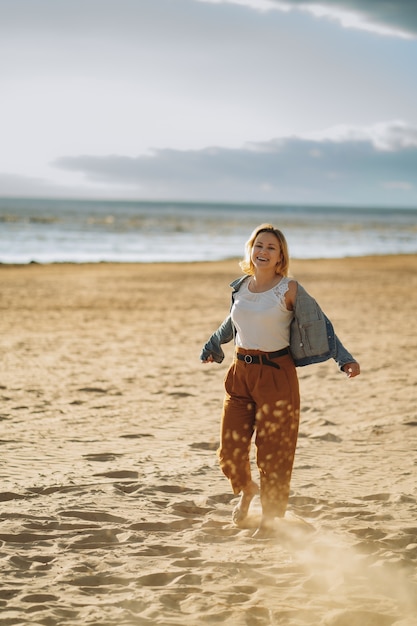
(248, 358)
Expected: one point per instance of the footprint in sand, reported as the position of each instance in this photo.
(10, 495)
(341, 617)
(205, 445)
(119, 474)
(103, 457)
(39, 598)
(93, 516)
(136, 435)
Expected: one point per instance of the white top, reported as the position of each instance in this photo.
(262, 320)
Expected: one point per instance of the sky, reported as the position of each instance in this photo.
(256, 101)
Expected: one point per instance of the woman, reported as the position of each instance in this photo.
(276, 326)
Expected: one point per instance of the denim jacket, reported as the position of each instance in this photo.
(312, 337)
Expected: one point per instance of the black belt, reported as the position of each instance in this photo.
(263, 358)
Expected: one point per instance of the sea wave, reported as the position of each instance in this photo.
(48, 231)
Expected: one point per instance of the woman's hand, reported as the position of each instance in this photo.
(352, 369)
(209, 359)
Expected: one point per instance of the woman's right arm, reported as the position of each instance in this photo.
(212, 350)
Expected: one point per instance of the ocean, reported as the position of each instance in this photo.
(80, 231)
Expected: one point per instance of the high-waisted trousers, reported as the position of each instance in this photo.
(262, 398)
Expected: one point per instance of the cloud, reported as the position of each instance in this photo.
(108, 79)
(398, 17)
(391, 136)
(21, 186)
(15, 184)
(395, 18)
(104, 76)
(346, 165)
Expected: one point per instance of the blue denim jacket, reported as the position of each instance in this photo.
(312, 336)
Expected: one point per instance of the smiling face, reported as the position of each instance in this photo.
(271, 241)
(266, 252)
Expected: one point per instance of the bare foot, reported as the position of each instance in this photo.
(266, 528)
(240, 511)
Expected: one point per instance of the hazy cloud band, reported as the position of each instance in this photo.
(350, 166)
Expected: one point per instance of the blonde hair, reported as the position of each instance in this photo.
(282, 267)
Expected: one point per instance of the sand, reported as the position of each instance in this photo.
(113, 510)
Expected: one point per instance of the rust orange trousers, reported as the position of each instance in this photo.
(262, 397)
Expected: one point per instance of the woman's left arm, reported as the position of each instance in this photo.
(291, 295)
(343, 358)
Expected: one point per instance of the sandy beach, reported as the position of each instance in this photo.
(113, 511)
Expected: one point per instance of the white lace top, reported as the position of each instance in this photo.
(262, 320)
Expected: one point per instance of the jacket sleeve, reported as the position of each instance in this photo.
(313, 338)
(223, 334)
(340, 354)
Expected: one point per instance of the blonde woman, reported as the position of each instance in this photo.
(276, 326)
